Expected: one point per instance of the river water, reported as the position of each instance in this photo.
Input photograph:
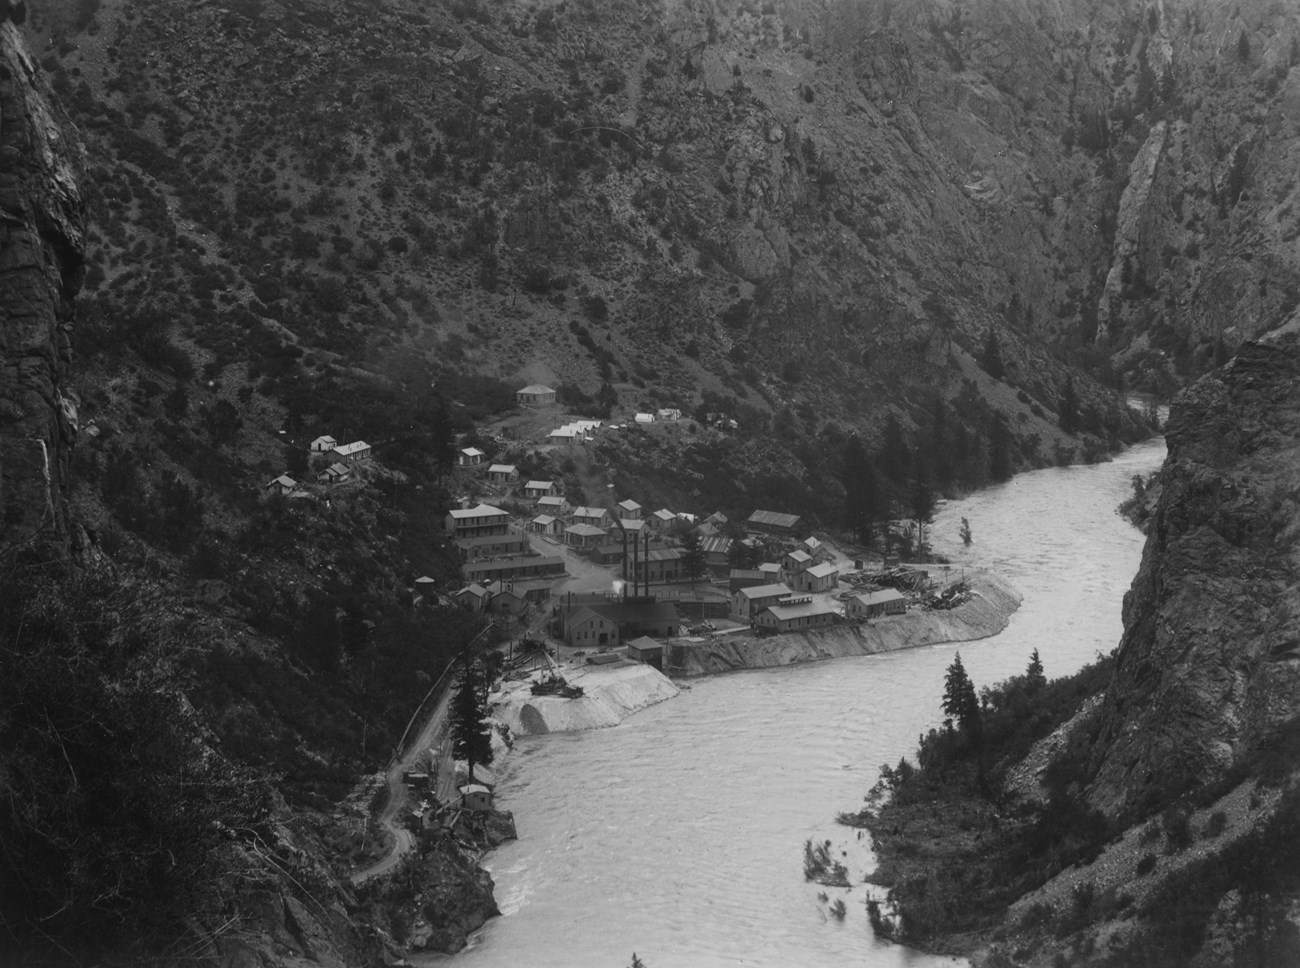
(679, 834)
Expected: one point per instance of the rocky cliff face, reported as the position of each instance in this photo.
(1209, 666)
(42, 245)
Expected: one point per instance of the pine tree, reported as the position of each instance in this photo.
(1034, 674)
(960, 702)
(471, 733)
(992, 357)
(693, 563)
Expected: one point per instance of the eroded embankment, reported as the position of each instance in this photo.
(612, 693)
(987, 613)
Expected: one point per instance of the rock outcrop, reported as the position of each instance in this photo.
(42, 244)
(1209, 666)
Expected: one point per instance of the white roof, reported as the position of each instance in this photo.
(474, 788)
(501, 469)
(800, 556)
(801, 610)
(539, 485)
(632, 524)
(566, 432)
(585, 530)
(645, 418)
(550, 501)
(324, 439)
(284, 480)
(536, 388)
(478, 511)
(589, 512)
(663, 514)
(544, 519)
(823, 570)
(880, 597)
(352, 448)
(471, 452)
(629, 505)
(766, 591)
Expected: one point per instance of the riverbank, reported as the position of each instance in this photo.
(989, 610)
(611, 693)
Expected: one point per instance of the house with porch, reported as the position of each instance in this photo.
(584, 535)
(351, 453)
(546, 524)
(334, 474)
(479, 520)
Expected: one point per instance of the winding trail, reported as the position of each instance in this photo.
(433, 733)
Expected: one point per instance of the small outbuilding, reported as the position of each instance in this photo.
(502, 473)
(476, 798)
(284, 484)
(470, 457)
(647, 650)
(323, 443)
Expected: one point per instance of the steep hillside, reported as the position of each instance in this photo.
(1147, 812)
(794, 214)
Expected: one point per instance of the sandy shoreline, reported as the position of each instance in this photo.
(615, 692)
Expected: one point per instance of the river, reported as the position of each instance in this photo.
(679, 834)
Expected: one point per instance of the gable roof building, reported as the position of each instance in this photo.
(357, 450)
(774, 522)
(535, 395)
(323, 443)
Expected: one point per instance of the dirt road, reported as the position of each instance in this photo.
(435, 731)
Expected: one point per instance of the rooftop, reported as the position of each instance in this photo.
(824, 570)
(536, 388)
(800, 610)
(501, 469)
(880, 597)
(478, 511)
(766, 591)
(774, 519)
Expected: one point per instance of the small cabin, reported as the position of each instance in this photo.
(647, 650)
(476, 798)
